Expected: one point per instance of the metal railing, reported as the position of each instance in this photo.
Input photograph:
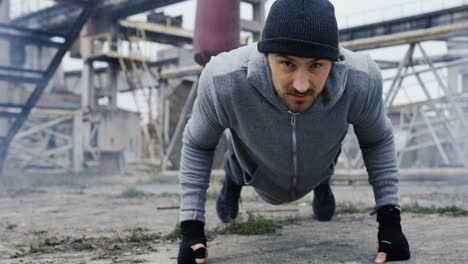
(395, 11)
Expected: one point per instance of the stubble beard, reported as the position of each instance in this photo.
(298, 106)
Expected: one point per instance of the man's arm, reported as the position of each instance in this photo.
(200, 138)
(374, 132)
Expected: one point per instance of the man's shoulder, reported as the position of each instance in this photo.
(364, 79)
(362, 71)
(359, 62)
(228, 62)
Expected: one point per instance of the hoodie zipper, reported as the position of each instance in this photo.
(294, 145)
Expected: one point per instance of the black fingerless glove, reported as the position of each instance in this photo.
(390, 236)
(193, 232)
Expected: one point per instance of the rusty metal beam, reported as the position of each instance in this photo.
(20, 79)
(10, 105)
(35, 32)
(8, 114)
(437, 18)
(16, 69)
(436, 33)
(31, 39)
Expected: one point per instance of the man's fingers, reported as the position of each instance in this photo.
(383, 249)
(200, 253)
(381, 257)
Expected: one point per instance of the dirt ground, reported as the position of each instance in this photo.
(92, 219)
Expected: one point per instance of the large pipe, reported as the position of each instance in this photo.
(413, 36)
(217, 28)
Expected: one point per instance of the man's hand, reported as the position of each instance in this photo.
(392, 243)
(193, 245)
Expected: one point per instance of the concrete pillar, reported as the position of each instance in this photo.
(259, 16)
(113, 74)
(167, 118)
(465, 82)
(94, 26)
(4, 56)
(77, 136)
(88, 91)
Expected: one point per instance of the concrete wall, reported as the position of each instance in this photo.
(118, 131)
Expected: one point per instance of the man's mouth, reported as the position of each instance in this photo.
(299, 97)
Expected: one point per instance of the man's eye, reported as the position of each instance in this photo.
(316, 65)
(287, 64)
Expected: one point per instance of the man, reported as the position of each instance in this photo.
(287, 102)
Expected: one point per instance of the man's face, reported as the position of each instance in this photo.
(297, 80)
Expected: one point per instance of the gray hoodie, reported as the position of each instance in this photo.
(282, 154)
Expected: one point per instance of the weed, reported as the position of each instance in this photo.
(41, 250)
(351, 208)
(38, 245)
(174, 234)
(167, 194)
(133, 192)
(254, 225)
(447, 210)
(140, 235)
(87, 245)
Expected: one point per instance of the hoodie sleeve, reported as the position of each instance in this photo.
(374, 132)
(199, 141)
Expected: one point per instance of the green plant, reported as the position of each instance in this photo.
(167, 194)
(37, 245)
(174, 234)
(254, 225)
(133, 192)
(351, 208)
(42, 250)
(446, 210)
(139, 235)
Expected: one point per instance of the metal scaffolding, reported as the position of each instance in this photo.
(436, 124)
(18, 113)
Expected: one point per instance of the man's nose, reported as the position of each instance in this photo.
(301, 82)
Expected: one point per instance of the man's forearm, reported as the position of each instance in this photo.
(381, 165)
(195, 170)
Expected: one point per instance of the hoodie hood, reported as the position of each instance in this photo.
(259, 75)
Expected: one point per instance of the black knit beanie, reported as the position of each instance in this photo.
(303, 28)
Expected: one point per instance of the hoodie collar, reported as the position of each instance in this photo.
(259, 75)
